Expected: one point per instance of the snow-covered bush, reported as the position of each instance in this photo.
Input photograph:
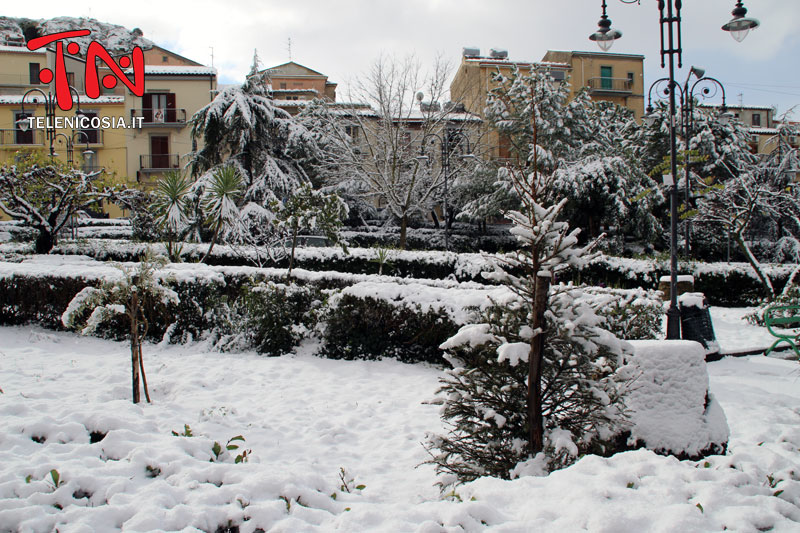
(630, 314)
(134, 296)
(271, 318)
(363, 327)
(486, 391)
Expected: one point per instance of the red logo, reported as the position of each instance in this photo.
(96, 51)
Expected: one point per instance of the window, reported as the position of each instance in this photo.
(352, 131)
(159, 151)
(33, 70)
(91, 133)
(159, 108)
(283, 85)
(20, 136)
(630, 80)
(71, 79)
(756, 119)
(164, 59)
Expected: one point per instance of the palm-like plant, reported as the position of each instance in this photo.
(223, 191)
(170, 207)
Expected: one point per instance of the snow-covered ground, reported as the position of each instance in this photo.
(309, 421)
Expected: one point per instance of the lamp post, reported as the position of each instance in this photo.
(49, 114)
(70, 142)
(669, 18)
(705, 87)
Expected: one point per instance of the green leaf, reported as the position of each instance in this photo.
(706, 465)
(361, 487)
(232, 447)
(56, 476)
(217, 449)
(28, 478)
(333, 496)
(237, 437)
(700, 507)
(778, 493)
(630, 485)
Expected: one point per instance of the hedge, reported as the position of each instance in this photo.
(246, 308)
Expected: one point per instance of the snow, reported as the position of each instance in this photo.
(692, 299)
(667, 398)
(304, 418)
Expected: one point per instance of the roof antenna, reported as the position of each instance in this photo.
(289, 47)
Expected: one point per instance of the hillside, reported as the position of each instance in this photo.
(115, 38)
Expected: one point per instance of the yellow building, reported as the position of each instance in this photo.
(616, 78)
(133, 139)
(761, 125)
(292, 84)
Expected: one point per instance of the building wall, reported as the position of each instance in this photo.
(14, 69)
(118, 151)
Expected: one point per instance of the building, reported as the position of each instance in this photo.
(133, 139)
(615, 78)
(293, 84)
(761, 124)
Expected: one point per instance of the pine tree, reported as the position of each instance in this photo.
(570, 399)
(243, 128)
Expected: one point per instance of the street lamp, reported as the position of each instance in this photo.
(705, 87)
(70, 142)
(605, 34)
(671, 45)
(49, 113)
(740, 25)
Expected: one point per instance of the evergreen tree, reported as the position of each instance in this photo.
(243, 128)
(570, 399)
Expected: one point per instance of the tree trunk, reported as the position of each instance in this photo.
(135, 365)
(44, 241)
(535, 418)
(765, 281)
(213, 242)
(294, 245)
(403, 227)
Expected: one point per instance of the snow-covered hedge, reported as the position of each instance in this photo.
(724, 284)
(357, 316)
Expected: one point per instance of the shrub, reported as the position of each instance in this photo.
(486, 392)
(269, 317)
(371, 328)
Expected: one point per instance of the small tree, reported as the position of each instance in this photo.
(311, 210)
(763, 191)
(45, 196)
(220, 196)
(170, 207)
(135, 296)
(570, 399)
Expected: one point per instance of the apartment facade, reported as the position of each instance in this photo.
(615, 78)
(133, 139)
(293, 84)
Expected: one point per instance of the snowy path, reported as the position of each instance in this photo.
(304, 418)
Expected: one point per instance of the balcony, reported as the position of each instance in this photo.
(154, 117)
(15, 137)
(611, 85)
(158, 162)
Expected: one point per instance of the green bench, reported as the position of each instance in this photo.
(787, 319)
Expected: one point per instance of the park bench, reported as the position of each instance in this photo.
(787, 319)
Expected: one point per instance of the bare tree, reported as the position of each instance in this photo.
(373, 145)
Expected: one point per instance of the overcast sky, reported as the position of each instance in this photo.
(341, 38)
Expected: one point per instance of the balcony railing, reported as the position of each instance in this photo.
(155, 116)
(158, 162)
(611, 85)
(15, 137)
